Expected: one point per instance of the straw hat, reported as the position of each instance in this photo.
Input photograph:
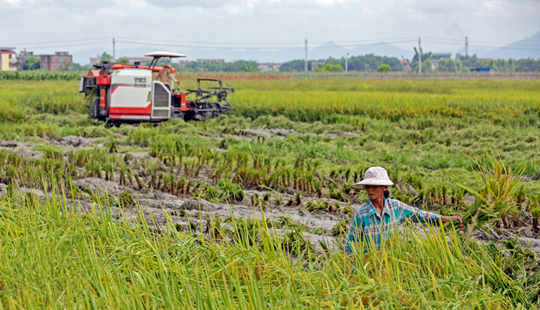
(168, 65)
(374, 176)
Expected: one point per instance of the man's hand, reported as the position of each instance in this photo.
(445, 219)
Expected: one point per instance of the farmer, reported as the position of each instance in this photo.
(166, 77)
(379, 217)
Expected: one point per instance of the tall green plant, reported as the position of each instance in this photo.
(497, 188)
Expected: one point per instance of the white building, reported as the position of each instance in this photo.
(8, 59)
(210, 60)
(315, 64)
(270, 66)
(435, 57)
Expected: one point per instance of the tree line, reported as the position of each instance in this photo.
(368, 63)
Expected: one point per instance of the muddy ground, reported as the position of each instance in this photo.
(188, 213)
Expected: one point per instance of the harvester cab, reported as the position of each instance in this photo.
(119, 93)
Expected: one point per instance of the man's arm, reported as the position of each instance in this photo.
(171, 76)
(422, 216)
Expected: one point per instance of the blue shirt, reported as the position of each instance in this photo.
(369, 226)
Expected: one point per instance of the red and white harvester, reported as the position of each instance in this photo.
(128, 94)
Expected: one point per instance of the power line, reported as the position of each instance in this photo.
(66, 41)
(278, 45)
(460, 41)
(67, 45)
(486, 46)
(263, 46)
(259, 47)
(166, 41)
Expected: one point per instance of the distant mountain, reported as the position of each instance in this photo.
(329, 49)
(383, 49)
(525, 48)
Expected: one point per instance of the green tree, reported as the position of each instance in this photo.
(416, 58)
(468, 61)
(248, 65)
(367, 62)
(329, 68)
(297, 65)
(426, 66)
(449, 65)
(384, 68)
(235, 66)
(106, 57)
(32, 64)
(527, 65)
(123, 61)
(78, 67)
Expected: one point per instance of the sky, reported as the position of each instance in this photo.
(73, 25)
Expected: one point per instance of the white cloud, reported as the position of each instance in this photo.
(267, 21)
(249, 4)
(180, 3)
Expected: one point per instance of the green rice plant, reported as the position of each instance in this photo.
(297, 199)
(39, 75)
(94, 260)
(496, 197)
(126, 200)
(94, 170)
(346, 209)
(12, 114)
(317, 207)
(231, 192)
(104, 200)
(295, 243)
(340, 229)
(535, 213)
(214, 229)
(124, 175)
(140, 183)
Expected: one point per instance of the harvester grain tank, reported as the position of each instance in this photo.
(127, 94)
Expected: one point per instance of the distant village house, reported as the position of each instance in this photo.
(435, 57)
(23, 57)
(8, 59)
(315, 64)
(269, 66)
(406, 65)
(211, 60)
(57, 61)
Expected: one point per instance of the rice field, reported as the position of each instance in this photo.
(249, 210)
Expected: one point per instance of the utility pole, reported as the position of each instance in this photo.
(455, 64)
(466, 46)
(347, 63)
(201, 66)
(113, 50)
(419, 56)
(305, 62)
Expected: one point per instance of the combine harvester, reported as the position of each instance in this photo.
(128, 94)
